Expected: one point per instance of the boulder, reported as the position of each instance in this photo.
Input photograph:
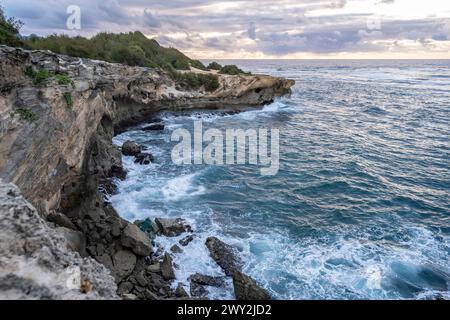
(245, 288)
(124, 262)
(167, 268)
(205, 280)
(180, 292)
(76, 241)
(154, 268)
(129, 296)
(172, 227)
(144, 158)
(124, 287)
(154, 127)
(61, 220)
(136, 240)
(198, 290)
(224, 255)
(131, 148)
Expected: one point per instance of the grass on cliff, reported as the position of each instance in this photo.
(69, 101)
(40, 76)
(24, 114)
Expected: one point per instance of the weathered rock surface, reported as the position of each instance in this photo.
(180, 292)
(224, 255)
(172, 227)
(136, 240)
(167, 268)
(205, 280)
(35, 262)
(124, 262)
(245, 288)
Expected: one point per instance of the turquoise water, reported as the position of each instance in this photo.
(360, 207)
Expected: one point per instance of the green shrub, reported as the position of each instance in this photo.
(41, 76)
(63, 79)
(198, 65)
(25, 114)
(68, 97)
(196, 80)
(132, 48)
(214, 66)
(9, 30)
(232, 70)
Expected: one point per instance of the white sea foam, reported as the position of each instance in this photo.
(182, 187)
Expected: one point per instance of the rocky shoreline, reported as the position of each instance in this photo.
(56, 146)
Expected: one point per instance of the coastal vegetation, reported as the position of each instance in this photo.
(24, 114)
(132, 48)
(9, 30)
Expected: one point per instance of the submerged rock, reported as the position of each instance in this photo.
(144, 158)
(154, 127)
(131, 148)
(185, 241)
(223, 254)
(172, 227)
(245, 288)
(176, 249)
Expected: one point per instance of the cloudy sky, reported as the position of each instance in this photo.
(259, 28)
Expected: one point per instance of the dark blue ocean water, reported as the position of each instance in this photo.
(360, 208)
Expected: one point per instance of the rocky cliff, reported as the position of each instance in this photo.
(58, 117)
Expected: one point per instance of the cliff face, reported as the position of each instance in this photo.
(56, 134)
(42, 155)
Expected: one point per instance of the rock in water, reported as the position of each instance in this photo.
(224, 255)
(176, 249)
(131, 148)
(205, 280)
(245, 288)
(144, 158)
(185, 241)
(167, 268)
(172, 227)
(136, 240)
(154, 127)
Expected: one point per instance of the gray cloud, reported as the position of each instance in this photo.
(275, 27)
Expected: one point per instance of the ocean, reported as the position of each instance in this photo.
(360, 207)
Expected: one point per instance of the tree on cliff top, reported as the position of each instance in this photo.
(9, 30)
